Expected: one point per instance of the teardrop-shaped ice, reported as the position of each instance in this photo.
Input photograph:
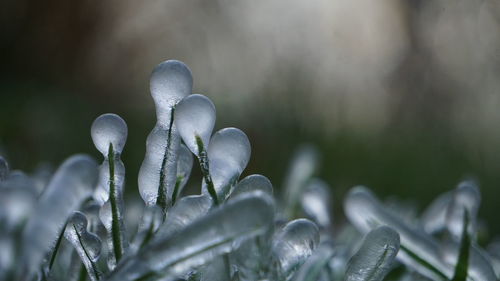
(86, 244)
(252, 183)
(228, 153)
(183, 213)
(217, 233)
(194, 117)
(72, 183)
(184, 166)
(293, 245)
(466, 197)
(170, 82)
(316, 202)
(365, 212)
(4, 168)
(433, 219)
(109, 129)
(311, 270)
(305, 162)
(375, 256)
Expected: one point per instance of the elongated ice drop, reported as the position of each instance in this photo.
(365, 212)
(72, 183)
(4, 168)
(293, 245)
(466, 197)
(433, 219)
(86, 244)
(317, 203)
(253, 183)
(228, 153)
(184, 166)
(375, 256)
(170, 82)
(316, 264)
(217, 233)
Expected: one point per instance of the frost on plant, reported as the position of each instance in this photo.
(77, 226)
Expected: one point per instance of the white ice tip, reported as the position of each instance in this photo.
(170, 82)
(109, 129)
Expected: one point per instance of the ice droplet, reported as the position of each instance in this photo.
(195, 117)
(466, 197)
(253, 183)
(375, 256)
(170, 82)
(184, 166)
(311, 270)
(365, 212)
(72, 183)
(109, 129)
(293, 245)
(217, 233)
(86, 244)
(433, 219)
(316, 202)
(4, 168)
(228, 153)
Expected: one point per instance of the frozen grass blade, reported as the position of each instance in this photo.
(375, 256)
(311, 270)
(462, 265)
(184, 166)
(217, 233)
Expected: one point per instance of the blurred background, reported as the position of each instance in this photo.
(400, 95)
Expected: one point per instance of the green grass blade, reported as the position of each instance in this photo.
(463, 258)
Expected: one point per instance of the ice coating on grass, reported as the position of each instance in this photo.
(108, 129)
(17, 201)
(4, 168)
(293, 245)
(72, 183)
(466, 197)
(316, 203)
(219, 232)
(313, 268)
(365, 212)
(183, 213)
(195, 117)
(218, 269)
(252, 183)
(305, 162)
(228, 153)
(184, 166)
(86, 244)
(116, 235)
(150, 222)
(375, 256)
(170, 82)
(433, 219)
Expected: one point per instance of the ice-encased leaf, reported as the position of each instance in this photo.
(4, 168)
(195, 117)
(293, 244)
(187, 210)
(170, 82)
(305, 162)
(312, 269)
(86, 244)
(375, 256)
(228, 153)
(72, 183)
(466, 198)
(108, 129)
(184, 166)
(418, 249)
(252, 183)
(217, 233)
(433, 219)
(316, 202)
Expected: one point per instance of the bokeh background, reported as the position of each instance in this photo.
(400, 95)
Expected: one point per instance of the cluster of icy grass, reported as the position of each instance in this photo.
(73, 227)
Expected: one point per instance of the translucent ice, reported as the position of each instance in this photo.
(116, 235)
(228, 153)
(86, 244)
(4, 168)
(72, 183)
(375, 256)
(312, 269)
(316, 202)
(151, 220)
(218, 269)
(293, 245)
(219, 232)
(195, 118)
(109, 129)
(433, 218)
(253, 183)
(17, 201)
(365, 212)
(304, 164)
(466, 197)
(184, 166)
